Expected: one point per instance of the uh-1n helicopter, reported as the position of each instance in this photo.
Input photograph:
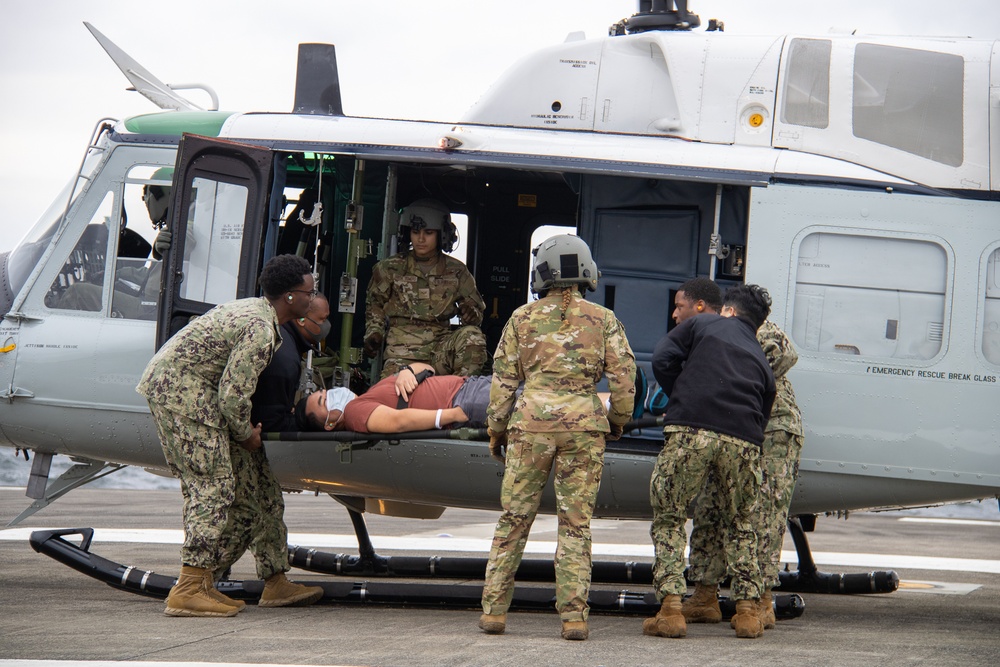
(855, 177)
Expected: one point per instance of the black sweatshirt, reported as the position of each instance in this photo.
(716, 375)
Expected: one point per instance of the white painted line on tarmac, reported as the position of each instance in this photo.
(117, 663)
(951, 522)
(480, 545)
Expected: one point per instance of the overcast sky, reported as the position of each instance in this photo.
(428, 59)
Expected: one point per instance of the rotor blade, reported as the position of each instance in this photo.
(142, 79)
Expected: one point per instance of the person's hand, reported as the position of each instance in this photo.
(616, 431)
(253, 443)
(161, 244)
(468, 312)
(406, 382)
(373, 345)
(498, 445)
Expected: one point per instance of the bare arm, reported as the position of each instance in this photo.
(389, 420)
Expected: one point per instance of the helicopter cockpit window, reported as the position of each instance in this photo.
(991, 314)
(214, 230)
(870, 296)
(806, 91)
(80, 283)
(911, 100)
(137, 267)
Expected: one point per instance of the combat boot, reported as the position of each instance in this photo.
(219, 596)
(493, 624)
(765, 609)
(747, 620)
(575, 630)
(703, 605)
(280, 592)
(190, 596)
(668, 622)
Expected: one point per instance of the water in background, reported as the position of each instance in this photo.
(14, 471)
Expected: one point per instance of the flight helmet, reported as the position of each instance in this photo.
(427, 214)
(157, 197)
(563, 260)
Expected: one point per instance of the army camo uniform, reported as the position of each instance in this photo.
(198, 386)
(780, 465)
(558, 422)
(415, 301)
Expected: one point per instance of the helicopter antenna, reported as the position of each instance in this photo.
(143, 82)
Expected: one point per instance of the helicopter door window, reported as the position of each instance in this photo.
(137, 272)
(806, 89)
(213, 241)
(80, 283)
(991, 309)
(870, 296)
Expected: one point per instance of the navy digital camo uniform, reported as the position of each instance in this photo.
(198, 386)
(780, 466)
(416, 301)
(721, 390)
(558, 422)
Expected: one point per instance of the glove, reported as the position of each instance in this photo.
(161, 244)
(373, 345)
(467, 311)
(616, 431)
(498, 444)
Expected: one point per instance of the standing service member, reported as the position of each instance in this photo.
(559, 346)
(198, 386)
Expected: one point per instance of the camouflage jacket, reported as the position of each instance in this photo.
(560, 362)
(401, 293)
(781, 355)
(208, 370)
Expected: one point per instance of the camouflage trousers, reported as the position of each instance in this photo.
(578, 459)
(688, 457)
(232, 501)
(458, 352)
(780, 468)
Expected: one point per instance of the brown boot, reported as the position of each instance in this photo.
(493, 624)
(575, 630)
(747, 621)
(190, 596)
(219, 596)
(668, 622)
(703, 605)
(280, 592)
(765, 609)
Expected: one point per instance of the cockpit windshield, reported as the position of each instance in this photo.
(30, 248)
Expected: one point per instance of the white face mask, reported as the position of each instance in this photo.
(338, 397)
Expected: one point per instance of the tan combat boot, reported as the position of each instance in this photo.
(190, 596)
(575, 630)
(493, 624)
(765, 609)
(280, 592)
(703, 605)
(218, 595)
(747, 620)
(668, 622)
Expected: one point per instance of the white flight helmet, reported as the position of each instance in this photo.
(563, 260)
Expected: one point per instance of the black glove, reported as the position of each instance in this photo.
(373, 345)
(498, 444)
(616, 431)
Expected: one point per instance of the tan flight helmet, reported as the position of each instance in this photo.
(427, 214)
(563, 260)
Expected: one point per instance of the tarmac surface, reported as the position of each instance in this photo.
(947, 611)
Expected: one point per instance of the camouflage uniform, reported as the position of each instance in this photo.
(558, 421)
(417, 305)
(198, 386)
(780, 467)
(680, 472)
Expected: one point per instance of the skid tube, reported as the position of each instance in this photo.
(53, 543)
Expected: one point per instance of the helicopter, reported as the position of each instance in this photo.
(856, 177)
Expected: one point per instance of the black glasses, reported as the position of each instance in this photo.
(312, 294)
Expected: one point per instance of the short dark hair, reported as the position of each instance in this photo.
(703, 289)
(283, 273)
(303, 419)
(751, 302)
